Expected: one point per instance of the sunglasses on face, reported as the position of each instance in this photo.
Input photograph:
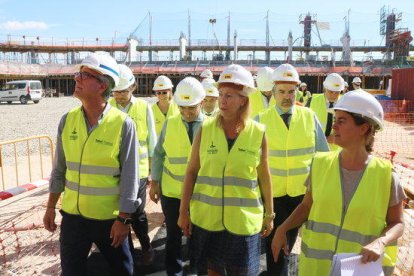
(161, 93)
(86, 75)
(120, 92)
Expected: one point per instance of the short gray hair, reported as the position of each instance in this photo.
(110, 85)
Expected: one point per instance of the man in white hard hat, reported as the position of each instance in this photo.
(356, 83)
(141, 113)
(261, 99)
(346, 88)
(96, 166)
(294, 135)
(321, 103)
(169, 164)
(210, 107)
(206, 74)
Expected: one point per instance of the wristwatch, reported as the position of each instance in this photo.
(271, 215)
(124, 221)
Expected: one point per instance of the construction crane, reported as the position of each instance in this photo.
(132, 34)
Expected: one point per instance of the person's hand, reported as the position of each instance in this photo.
(372, 251)
(279, 242)
(155, 191)
(119, 232)
(184, 223)
(267, 226)
(49, 220)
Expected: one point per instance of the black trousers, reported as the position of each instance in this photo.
(139, 218)
(173, 255)
(283, 206)
(76, 237)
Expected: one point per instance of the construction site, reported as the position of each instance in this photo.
(26, 157)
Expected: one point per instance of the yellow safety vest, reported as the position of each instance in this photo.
(177, 148)
(318, 105)
(160, 118)
(257, 105)
(290, 150)
(330, 229)
(306, 97)
(298, 95)
(226, 194)
(93, 168)
(138, 113)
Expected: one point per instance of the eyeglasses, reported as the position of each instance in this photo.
(121, 91)
(160, 92)
(86, 75)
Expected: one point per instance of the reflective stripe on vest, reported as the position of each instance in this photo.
(257, 103)
(160, 118)
(290, 150)
(330, 229)
(226, 194)
(92, 165)
(88, 190)
(138, 113)
(176, 155)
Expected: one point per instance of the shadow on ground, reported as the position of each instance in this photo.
(97, 265)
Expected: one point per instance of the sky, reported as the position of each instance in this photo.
(80, 20)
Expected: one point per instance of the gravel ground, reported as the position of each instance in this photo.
(20, 121)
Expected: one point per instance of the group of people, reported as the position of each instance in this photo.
(232, 162)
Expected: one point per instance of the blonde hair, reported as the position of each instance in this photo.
(244, 111)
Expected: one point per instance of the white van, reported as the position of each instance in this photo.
(22, 90)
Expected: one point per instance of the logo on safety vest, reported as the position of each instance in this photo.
(212, 149)
(102, 142)
(74, 135)
(247, 151)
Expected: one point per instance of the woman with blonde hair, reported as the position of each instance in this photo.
(227, 197)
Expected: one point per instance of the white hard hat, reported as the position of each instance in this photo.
(356, 80)
(303, 84)
(189, 92)
(264, 79)
(209, 86)
(126, 78)
(161, 83)
(334, 82)
(102, 63)
(364, 104)
(206, 74)
(286, 73)
(237, 74)
(346, 84)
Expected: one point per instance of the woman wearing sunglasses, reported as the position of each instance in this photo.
(165, 106)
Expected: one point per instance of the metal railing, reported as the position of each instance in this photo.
(11, 152)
